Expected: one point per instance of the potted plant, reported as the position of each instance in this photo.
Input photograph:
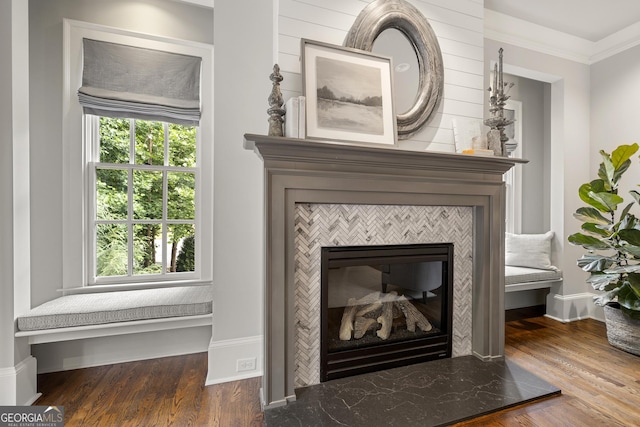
(613, 242)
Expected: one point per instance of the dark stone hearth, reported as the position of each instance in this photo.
(434, 393)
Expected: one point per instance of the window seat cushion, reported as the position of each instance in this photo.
(119, 306)
(515, 275)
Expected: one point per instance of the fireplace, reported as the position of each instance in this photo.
(374, 195)
(384, 306)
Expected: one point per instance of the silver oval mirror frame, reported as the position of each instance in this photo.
(383, 14)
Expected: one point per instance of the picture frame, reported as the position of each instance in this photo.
(349, 94)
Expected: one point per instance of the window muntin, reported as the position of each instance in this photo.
(143, 211)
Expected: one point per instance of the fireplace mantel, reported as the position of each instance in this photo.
(346, 155)
(323, 172)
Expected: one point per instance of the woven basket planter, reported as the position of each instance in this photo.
(622, 331)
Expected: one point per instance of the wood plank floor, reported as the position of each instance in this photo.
(600, 386)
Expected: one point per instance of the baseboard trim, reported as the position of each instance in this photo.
(224, 356)
(570, 308)
(569, 320)
(277, 403)
(238, 377)
(18, 384)
(488, 358)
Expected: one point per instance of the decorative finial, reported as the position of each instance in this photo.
(275, 111)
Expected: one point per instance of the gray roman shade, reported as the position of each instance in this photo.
(127, 81)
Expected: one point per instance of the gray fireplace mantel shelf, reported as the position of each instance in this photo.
(337, 153)
(304, 171)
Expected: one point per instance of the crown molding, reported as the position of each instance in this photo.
(518, 32)
(203, 3)
(622, 40)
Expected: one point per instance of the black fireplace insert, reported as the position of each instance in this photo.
(385, 306)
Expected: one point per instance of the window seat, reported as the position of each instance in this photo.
(524, 278)
(113, 313)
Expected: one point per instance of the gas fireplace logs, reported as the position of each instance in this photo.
(365, 314)
(370, 302)
(413, 315)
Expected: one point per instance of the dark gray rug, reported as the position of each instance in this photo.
(436, 393)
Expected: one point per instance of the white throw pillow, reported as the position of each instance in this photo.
(529, 250)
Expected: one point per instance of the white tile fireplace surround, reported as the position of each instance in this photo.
(305, 177)
(319, 225)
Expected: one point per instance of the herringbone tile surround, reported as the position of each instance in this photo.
(318, 225)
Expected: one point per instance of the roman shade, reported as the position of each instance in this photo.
(127, 81)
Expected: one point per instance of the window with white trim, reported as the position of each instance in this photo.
(138, 187)
(142, 186)
(513, 177)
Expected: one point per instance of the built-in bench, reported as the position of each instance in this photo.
(93, 315)
(528, 262)
(524, 278)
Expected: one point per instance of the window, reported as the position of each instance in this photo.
(143, 200)
(137, 190)
(513, 177)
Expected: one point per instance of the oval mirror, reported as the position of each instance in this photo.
(406, 80)
(382, 15)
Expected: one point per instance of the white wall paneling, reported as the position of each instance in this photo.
(457, 24)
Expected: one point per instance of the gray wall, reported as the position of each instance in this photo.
(615, 103)
(536, 140)
(6, 194)
(536, 143)
(243, 61)
(569, 158)
(162, 17)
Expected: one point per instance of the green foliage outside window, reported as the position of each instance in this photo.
(116, 209)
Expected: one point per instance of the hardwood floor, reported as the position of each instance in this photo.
(600, 386)
(159, 392)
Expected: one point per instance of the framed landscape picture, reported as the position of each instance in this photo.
(348, 94)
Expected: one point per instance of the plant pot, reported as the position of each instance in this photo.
(622, 331)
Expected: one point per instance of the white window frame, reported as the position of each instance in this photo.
(77, 197)
(513, 177)
(92, 139)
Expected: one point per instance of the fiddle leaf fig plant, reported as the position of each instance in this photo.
(611, 239)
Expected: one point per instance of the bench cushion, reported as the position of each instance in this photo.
(515, 275)
(120, 306)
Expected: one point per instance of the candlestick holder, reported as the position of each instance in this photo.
(496, 137)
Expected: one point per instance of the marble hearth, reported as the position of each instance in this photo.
(379, 195)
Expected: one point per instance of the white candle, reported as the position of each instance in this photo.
(500, 85)
(494, 87)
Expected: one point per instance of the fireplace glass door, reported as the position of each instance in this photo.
(384, 306)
